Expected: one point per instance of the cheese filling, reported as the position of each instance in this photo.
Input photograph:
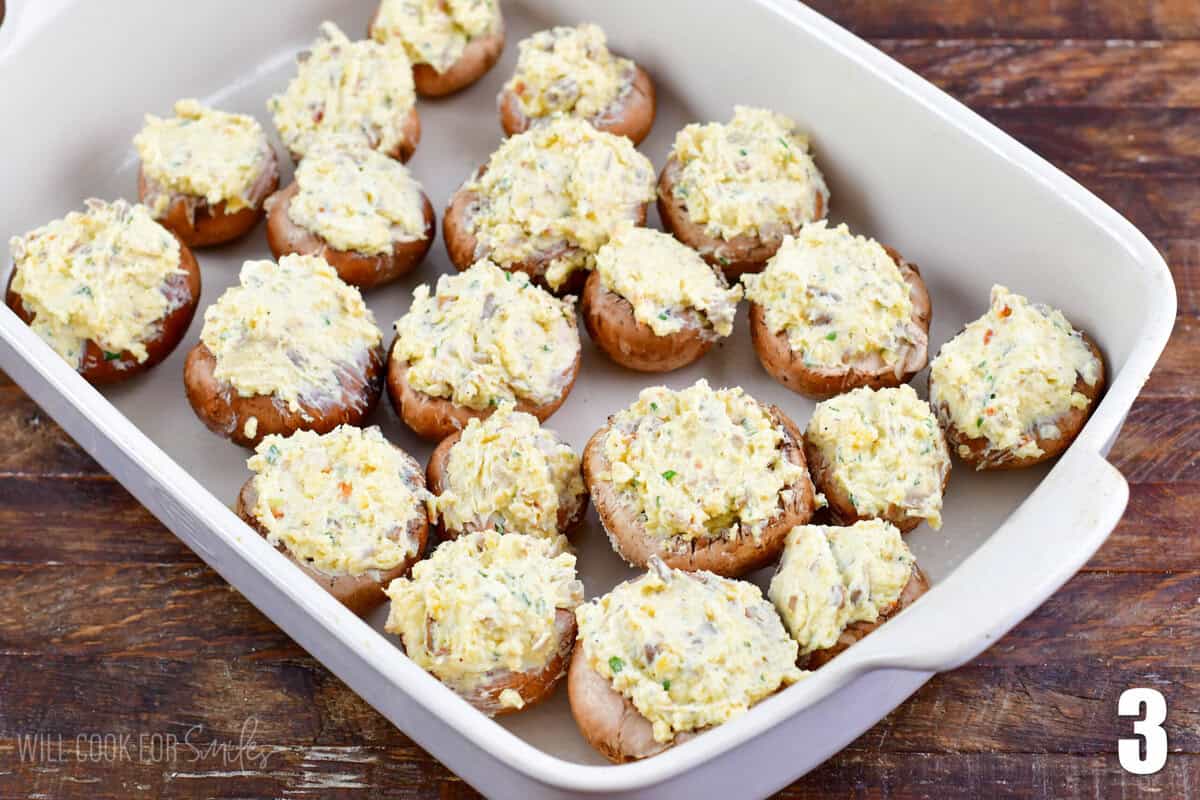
(690, 650)
(558, 190)
(668, 284)
(488, 336)
(204, 153)
(291, 330)
(435, 32)
(699, 463)
(361, 89)
(570, 71)
(356, 198)
(482, 604)
(840, 298)
(1011, 374)
(103, 275)
(832, 577)
(507, 472)
(885, 450)
(341, 502)
(752, 176)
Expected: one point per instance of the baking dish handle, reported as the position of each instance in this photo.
(1059, 526)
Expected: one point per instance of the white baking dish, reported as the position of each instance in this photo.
(905, 162)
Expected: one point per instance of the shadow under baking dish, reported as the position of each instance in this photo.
(877, 185)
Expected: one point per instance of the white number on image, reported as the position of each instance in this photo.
(1150, 705)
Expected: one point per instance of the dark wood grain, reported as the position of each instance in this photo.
(1161, 441)
(1156, 534)
(1038, 19)
(33, 444)
(990, 709)
(921, 776)
(1018, 73)
(107, 623)
(406, 773)
(1099, 618)
(119, 609)
(1084, 141)
(1176, 371)
(291, 771)
(42, 519)
(1167, 209)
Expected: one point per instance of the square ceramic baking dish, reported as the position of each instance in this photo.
(905, 162)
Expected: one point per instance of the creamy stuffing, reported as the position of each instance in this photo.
(669, 285)
(1011, 374)
(885, 451)
(557, 192)
(832, 577)
(105, 275)
(570, 71)
(699, 463)
(341, 502)
(356, 198)
(291, 330)
(362, 89)
(507, 472)
(435, 32)
(485, 604)
(488, 336)
(840, 299)
(690, 650)
(204, 153)
(752, 176)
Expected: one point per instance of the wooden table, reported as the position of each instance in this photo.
(108, 625)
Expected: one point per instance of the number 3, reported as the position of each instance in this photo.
(1149, 727)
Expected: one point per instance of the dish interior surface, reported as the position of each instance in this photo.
(864, 141)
